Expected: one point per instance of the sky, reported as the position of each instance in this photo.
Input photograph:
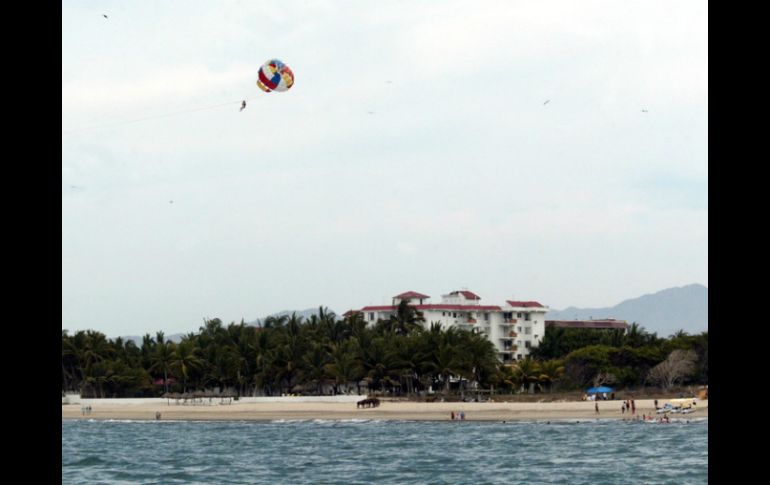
(551, 151)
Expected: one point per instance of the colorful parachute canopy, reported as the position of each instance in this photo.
(274, 75)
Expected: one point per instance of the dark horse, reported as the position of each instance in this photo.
(372, 402)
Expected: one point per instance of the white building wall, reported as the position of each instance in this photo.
(529, 328)
(528, 324)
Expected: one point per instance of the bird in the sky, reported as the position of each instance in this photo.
(546, 102)
(103, 15)
(644, 111)
(243, 105)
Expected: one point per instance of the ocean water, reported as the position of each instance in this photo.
(384, 452)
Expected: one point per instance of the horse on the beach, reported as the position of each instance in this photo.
(368, 402)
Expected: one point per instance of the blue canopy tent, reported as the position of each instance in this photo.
(596, 390)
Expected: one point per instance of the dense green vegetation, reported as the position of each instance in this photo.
(399, 356)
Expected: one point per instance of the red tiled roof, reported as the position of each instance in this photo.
(410, 294)
(606, 323)
(470, 295)
(525, 304)
(437, 306)
(445, 306)
(350, 312)
(380, 308)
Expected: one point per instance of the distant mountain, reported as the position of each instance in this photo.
(664, 312)
(176, 338)
(305, 314)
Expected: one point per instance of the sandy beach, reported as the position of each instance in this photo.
(388, 410)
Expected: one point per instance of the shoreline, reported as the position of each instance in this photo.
(387, 411)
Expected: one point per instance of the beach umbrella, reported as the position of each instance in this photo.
(594, 390)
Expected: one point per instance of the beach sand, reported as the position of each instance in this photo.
(388, 410)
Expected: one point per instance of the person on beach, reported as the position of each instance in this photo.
(633, 407)
(596, 406)
(623, 408)
(157, 416)
(452, 415)
(462, 415)
(656, 404)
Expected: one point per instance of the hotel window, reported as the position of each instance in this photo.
(518, 315)
(528, 344)
(527, 330)
(371, 316)
(486, 316)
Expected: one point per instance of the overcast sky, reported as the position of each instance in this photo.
(415, 151)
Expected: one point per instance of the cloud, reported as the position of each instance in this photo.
(459, 161)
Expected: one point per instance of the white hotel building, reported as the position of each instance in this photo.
(513, 328)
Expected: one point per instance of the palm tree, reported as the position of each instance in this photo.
(678, 334)
(162, 359)
(408, 359)
(344, 366)
(314, 363)
(637, 336)
(183, 360)
(69, 353)
(528, 372)
(148, 349)
(550, 372)
(406, 319)
(445, 364)
(89, 347)
(356, 325)
(508, 376)
(288, 357)
(480, 356)
(377, 361)
(263, 358)
(274, 322)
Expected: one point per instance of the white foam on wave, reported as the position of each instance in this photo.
(330, 421)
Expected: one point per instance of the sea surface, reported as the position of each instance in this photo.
(384, 452)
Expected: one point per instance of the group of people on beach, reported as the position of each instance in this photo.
(455, 416)
(628, 405)
(85, 409)
(596, 397)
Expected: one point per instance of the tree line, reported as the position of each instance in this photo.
(399, 355)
